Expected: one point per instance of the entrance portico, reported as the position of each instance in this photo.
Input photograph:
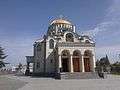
(76, 62)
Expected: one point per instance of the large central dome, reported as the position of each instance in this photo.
(59, 26)
(59, 21)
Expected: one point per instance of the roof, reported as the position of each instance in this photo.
(57, 21)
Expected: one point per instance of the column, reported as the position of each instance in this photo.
(93, 60)
(83, 68)
(59, 64)
(73, 28)
(71, 63)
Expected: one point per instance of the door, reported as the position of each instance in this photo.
(76, 65)
(65, 64)
(87, 64)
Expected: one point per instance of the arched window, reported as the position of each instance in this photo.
(51, 44)
(38, 47)
(69, 37)
(87, 41)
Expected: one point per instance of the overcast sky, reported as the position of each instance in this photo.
(24, 21)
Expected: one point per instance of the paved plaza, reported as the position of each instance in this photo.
(10, 82)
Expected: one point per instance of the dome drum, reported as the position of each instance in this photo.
(59, 26)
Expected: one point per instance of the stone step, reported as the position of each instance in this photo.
(79, 75)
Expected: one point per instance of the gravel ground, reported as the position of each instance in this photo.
(111, 83)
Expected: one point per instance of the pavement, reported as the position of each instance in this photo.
(29, 83)
(10, 83)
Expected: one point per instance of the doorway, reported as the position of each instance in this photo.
(76, 65)
(87, 64)
(65, 64)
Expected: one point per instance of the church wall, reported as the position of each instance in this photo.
(50, 58)
(34, 52)
(76, 40)
(39, 58)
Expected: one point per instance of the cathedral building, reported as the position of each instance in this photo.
(63, 51)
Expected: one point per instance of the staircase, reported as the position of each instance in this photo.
(79, 75)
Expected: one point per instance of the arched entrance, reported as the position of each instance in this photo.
(87, 60)
(76, 61)
(65, 61)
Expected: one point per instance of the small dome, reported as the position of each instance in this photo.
(57, 21)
